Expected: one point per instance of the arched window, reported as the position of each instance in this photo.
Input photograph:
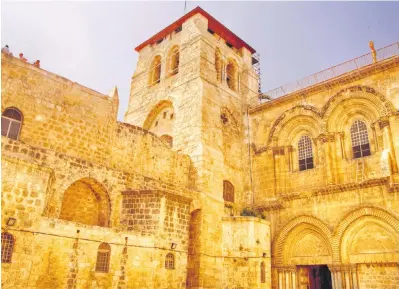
(228, 191)
(155, 73)
(103, 255)
(7, 247)
(174, 60)
(170, 261)
(218, 65)
(305, 153)
(11, 121)
(232, 75)
(262, 272)
(360, 140)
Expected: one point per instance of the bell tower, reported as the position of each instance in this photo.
(191, 87)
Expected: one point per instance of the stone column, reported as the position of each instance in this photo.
(279, 163)
(388, 143)
(325, 140)
(287, 277)
(344, 276)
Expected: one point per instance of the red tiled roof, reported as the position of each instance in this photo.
(213, 24)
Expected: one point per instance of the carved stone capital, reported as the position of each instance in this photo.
(326, 137)
(334, 268)
(278, 151)
(286, 268)
(383, 122)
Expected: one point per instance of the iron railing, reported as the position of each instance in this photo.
(340, 69)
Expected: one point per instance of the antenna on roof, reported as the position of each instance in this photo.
(185, 4)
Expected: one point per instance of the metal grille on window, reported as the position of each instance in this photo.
(7, 247)
(228, 191)
(170, 261)
(360, 140)
(11, 120)
(305, 153)
(103, 255)
(262, 272)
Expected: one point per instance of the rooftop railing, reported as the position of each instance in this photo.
(340, 69)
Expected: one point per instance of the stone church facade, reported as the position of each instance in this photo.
(202, 185)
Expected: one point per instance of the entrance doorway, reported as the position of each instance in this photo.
(314, 277)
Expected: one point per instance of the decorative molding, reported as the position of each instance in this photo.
(326, 137)
(383, 122)
(384, 106)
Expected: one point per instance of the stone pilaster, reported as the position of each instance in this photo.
(287, 277)
(344, 276)
(388, 142)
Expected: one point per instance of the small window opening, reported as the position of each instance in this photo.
(262, 272)
(160, 41)
(178, 29)
(305, 153)
(228, 191)
(211, 31)
(11, 122)
(229, 44)
(170, 261)
(360, 140)
(165, 114)
(171, 116)
(103, 256)
(7, 247)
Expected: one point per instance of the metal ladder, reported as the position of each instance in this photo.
(360, 171)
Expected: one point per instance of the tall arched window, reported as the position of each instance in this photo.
(232, 75)
(155, 73)
(174, 60)
(11, 121)
(305, 153)
(103, 256)
(218, 65)
(228, 191)
(7, 247)
(360, 140)
(262, 272)
(170, 261)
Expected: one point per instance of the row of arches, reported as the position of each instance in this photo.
(354, 119)
(356, 102)
(359, 139)
(172, 65)
(364, 235)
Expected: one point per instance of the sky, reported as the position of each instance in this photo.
(92, 43)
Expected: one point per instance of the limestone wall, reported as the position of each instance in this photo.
(344, 212)
(67, 118)
(245, 240)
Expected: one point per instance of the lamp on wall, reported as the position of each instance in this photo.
(264, 255)
(173, 246)
(11, 222)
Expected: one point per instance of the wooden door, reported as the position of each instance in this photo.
(304, 277)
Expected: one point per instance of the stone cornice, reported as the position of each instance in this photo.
(278, 203)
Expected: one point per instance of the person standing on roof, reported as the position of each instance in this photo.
(5, 50)
(37, 63)
(21, 56)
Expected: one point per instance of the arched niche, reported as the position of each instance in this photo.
(86, 201)
(161, 119)
(307, 245)
(370, 240)
(289, 245)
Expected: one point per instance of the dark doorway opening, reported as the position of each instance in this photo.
(314, 277)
